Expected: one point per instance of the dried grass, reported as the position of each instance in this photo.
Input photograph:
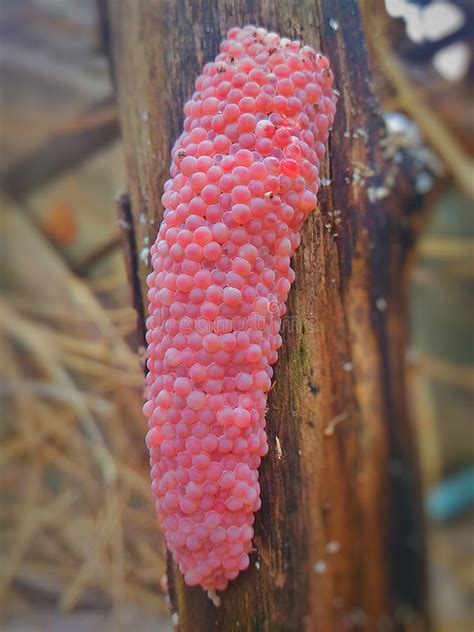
(77, 516)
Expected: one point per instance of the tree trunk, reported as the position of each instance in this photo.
(338, 541)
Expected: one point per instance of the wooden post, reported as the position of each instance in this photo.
(338, 541)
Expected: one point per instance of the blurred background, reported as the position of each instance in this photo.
(79, 545)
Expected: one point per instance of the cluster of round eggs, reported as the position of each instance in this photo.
(244, 176)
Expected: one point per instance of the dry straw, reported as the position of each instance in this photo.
(77, 517)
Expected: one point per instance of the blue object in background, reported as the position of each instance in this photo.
(452, 497)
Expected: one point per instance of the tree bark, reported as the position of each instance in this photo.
(338, 541)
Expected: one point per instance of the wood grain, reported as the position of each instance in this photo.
(338, 541)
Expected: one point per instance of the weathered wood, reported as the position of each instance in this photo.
(338, 540)
(129, 246)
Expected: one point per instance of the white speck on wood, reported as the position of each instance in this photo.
(278, 447)
(381, 304)
(175, 619)
(329, 430)
(145, 254)
(216, 600)
(424, 182)
(320, 567)
(377, 193)
(333, 547)
(360, 132)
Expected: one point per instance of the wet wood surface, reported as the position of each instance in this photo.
(339, 541)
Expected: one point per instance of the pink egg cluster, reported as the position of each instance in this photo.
(244, 176)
